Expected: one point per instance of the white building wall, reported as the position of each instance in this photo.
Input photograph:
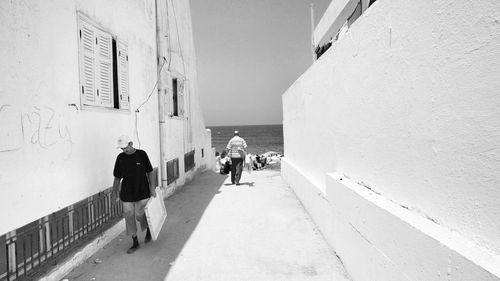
(405, 105)
(187, 132)
(53, 152)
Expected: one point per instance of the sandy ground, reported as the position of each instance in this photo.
(217, 231)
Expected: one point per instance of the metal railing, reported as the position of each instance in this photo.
(172, 170)
(27, 250)
(189, 161)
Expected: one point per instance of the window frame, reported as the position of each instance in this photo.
(114, 82)
(173, 172)
(177, 101)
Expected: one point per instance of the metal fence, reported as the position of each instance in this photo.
(27, 250)
(172, 170)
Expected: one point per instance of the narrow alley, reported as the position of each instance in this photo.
(217, 231)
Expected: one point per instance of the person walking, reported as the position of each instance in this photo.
(133, 181)
(236, 150)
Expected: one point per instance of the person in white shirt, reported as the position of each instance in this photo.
(236, 150)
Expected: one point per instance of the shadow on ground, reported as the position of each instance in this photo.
(154, 260)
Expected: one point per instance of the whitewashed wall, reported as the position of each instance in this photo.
(183, 66)
(53, 154)
(406, 104)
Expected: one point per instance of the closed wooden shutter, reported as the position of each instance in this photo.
(180, 102)
(123, 86)
(87, 64)
(104, 63)
(168, 103)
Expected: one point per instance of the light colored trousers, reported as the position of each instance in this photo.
(135, 211)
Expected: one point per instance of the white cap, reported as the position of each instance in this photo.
(123, 141)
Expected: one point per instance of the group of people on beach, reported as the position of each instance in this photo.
(225, 162)
(252, 161)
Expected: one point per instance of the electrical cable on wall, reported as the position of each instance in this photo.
(156, 84)
(144, 102)
(163, 64)
(179, 41)
(168, 38)
(182, 59)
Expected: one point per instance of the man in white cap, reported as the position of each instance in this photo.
(133, 169)
(236, 150)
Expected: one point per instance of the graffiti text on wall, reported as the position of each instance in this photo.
(39, 126)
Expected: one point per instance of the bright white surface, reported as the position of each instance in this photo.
(156, 213)
(53, 155)
(410, 107)
(413, 245)
(183, 66)
(379, 240)
(255, 231)
(406, 103)
(62, 154)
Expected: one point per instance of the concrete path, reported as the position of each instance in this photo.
(216, 231)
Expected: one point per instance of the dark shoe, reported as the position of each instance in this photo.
(238, 183)
(147, 238)
(134, 247)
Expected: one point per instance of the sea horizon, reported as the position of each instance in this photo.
(259, 138)
(208, 126)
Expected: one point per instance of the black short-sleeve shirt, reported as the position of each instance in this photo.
(133, 170)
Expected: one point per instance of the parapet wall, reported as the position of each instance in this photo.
(405, 105)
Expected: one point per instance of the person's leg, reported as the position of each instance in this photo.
(129, 215)
(140, 215)
(233, 169)
(131, 226)
(238, 170)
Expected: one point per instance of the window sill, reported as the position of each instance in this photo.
(175, 117)
(104, 109)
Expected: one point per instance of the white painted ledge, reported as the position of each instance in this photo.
(379, 240)
(416, 246)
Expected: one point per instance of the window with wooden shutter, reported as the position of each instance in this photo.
(180, 102)
(168, 103)
(87, 64)
(175, 97)
(104, 63)
(104, 72)
(123, 88)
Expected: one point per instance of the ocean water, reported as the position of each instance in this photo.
(259, 138)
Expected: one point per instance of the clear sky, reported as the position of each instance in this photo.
(248, 53)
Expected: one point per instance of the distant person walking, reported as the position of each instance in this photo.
(236, 150)
(134, 170)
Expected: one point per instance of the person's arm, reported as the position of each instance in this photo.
(228, 148)
(152, 188)
(117, 180)
(115, 193)
(150, 175)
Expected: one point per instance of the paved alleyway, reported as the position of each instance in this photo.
(216, 231)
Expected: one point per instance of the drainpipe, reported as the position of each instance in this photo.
(312, 34)
(160, 16)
